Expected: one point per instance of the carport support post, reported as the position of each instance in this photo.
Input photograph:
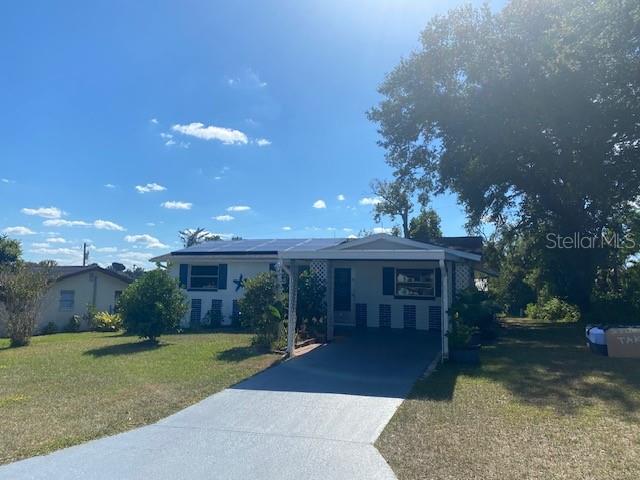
(293, 300)
(329, 300)
(445, 309)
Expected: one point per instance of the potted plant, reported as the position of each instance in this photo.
(461, 349)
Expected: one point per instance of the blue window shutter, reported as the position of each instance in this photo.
(438, 282)
(388, 282)
(184, 273)
(222, 276)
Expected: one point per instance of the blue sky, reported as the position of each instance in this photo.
(123, 122)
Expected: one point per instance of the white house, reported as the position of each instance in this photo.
(380, 281)
(74, 288)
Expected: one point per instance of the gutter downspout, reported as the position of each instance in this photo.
(445, 309)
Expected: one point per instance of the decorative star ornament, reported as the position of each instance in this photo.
(239, 282)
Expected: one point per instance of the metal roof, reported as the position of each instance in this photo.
(271, 246)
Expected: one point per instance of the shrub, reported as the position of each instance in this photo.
(23, 287)
(213, 319)
(152, 305)
(49, 328)
(311, 305)
(262, 308)
(89, 316)
(73, 325)
(107, 322)
(476, 309)
(553, 310)
(460, 334)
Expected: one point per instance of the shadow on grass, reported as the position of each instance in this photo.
(546, 365)
(238, 354)
(549, 366)
(125, 348)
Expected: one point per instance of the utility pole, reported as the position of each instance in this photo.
(85, 254)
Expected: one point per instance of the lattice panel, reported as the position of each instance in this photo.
(319, 270)
(435, 318)
(361, 315)
(384, 316)
(409, 316)
(464, 277)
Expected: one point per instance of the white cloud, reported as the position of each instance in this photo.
(56, 240)
(150, 187)
(286, 229)
(65, 223)
(319, 204)
(175, 205)
(370, 201)
(40, 245)
(107, 225)
(382, 230)
(99, 224)
(341, 198)
(145, 239)
(228, 136)
(73, 255)
(238, 208)
(263, 142)
(248, 79)
(20, 230)
(347, 229)
(166, 136)
(6, 180)
(150, 224)
(44, 212)
(105, 249)
(109, 185)
(331, 229)
(154, 121)
(130, 258)
(224, 218)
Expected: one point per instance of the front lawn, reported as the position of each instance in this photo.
(540, 407)
(68, 388)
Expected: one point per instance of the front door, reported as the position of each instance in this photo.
(342, 295)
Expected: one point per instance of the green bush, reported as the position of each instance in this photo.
(476, 309)
(152, 305)
(213, 319)
(311, 306)
(553, 310)
(262, 307)
(460, 334)
(107, 322)
(73, 325)
(49, 328)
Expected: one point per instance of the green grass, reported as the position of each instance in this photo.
(65, 389)
(540, 407)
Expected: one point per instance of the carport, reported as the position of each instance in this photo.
(383, 283)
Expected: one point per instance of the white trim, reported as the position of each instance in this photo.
(365, 255)
(384, 236)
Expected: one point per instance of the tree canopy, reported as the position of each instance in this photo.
(530, 115)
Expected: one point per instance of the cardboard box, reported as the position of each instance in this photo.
(624, 342)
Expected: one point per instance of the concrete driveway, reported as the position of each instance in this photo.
(313, 417)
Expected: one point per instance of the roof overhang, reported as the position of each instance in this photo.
(220, 256)
(378, 255)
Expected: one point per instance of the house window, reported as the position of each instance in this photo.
(415, 283)
(203, 277)
(67, 300)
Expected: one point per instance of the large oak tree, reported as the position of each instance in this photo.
(530, 115)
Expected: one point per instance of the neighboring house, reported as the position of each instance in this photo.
(380, 281)
(74, 288)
